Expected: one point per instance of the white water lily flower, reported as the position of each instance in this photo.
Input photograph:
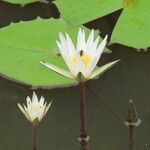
(35, 110)
(81, 59)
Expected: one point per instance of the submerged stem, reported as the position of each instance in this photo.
(131, 137)
(83, 118)
(34, 137)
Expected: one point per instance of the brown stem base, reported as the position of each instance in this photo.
(132, 137)
(84, 145)
(34, 137)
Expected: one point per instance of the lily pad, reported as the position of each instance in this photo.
(81, 11)
(23, 2)
(24, 44)
(132, 28)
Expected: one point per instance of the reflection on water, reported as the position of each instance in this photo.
(60, 128)
(107, 100)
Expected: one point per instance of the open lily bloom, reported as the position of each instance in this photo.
(35, 110)
(81, 59)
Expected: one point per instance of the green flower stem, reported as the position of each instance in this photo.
(83, 118)
(34, 137)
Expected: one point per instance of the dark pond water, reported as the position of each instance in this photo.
(106, 98)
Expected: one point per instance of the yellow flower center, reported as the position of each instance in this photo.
(35, 111)
(35, 108)
(84, 58)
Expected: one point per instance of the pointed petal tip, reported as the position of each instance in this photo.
(80, 29)
(50, 103)
(34, 93)
(130, 101)
(34, 98)
(18, 104)
(67, 36)
(57, 42)
(41, 62)
(28, 97)
(60, 33)
(92, 30)
(61, 36)
(118, 60)
(105, 38)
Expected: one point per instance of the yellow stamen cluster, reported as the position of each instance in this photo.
(36, 109)
(85, 59)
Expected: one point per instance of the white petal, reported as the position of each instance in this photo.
(91, 67)
(27, 112)
(67, 50)
(41, 102)
(47, 108)
(62, 49)
(66, 57)
(92, 50)
(63, 41)
(97, 57)
(28, 101)
(90, 41)
(95, 43)
(23, 110)
(101, 70)
(41, 115)
(80, 40)
(57, 69)
(101, 47)
(79, 67)
(70, 46)
(34, 99)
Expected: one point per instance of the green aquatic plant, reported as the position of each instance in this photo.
(81, 61)
(35, 112)
(23, 49)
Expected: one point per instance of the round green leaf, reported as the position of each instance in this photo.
(81, 11)
(132, 28)
(24, 44)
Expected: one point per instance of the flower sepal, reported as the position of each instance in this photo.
(80, 78)
(35, 122)
(100, 70)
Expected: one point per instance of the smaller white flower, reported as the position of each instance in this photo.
(35, 110)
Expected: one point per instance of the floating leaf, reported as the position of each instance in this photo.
(24, 44)
(23, 2)
(132, 28)
(81, 11)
